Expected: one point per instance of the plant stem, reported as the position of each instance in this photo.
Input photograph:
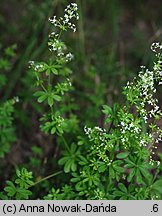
(65, 143)
(52, 110)
(60, 34)
(155, 175)
(47, 177)
(49, 79)
(40, 83)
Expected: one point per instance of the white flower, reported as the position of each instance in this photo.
(123, 140)
(122, 123)
(53, 20)
(131, 125)
(158, 163)
(142, 142)
(136, 129)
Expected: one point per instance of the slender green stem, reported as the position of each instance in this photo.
(43, 87)
(111, 125)
(49, 79)
(40, 83)
(60, 34)
(52, 110)
(65, 143)
(47, 177)
(157, 171)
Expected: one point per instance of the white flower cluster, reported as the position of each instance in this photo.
(59, 120)
(97, 130)
(156, 46)
(152, 151)
(36, 66)
(146, 139)
(153, 162)
(146, 86)
(134, 94)
(100, 143)
(16, 99)
(144, 91)
(65, 21)
(158, 70)
(63, 87)
(68, 82)
(157, 135)
(58, 46)
(129, 128)
(69, 56)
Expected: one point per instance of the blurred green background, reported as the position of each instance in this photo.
(112, 41)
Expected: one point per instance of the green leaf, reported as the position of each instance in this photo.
(23, 193)
(18, 173)
(106, 110)
(48, 72)
(42, 98)
(10, 183)
(79, 186)
(63, 160)
(39, 93)
(73, 166)
(122, 155)
(118, 193)
(119, 169)
(111, 172)
(57, 97)
(131, 175)
(50, 101)
(73, 148)
(53, 130)
(122, 187)
(102, 168)
(10, 189)
(158, 186)
(144, 172)
(83, 160)
(67, 166)
(74, 180)
(58, 66)
(54, 71)
(139, 178)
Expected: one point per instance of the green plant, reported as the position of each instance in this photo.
(19, 189)
(119, 161)
(55, 70)
(7, 130)
(5, 63)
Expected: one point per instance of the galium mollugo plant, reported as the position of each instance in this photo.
(119, 161)
(50, 93)
(47, 73)
(127, 150)
(7, 130)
